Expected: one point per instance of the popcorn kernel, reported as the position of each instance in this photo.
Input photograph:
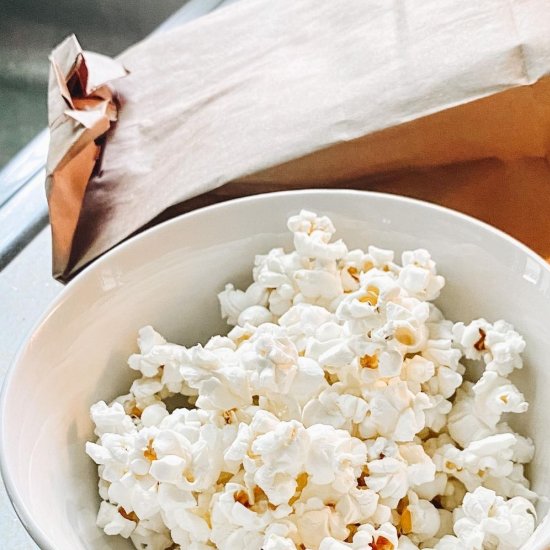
(228, 415)
(452, 466)
(402, 504)
(404, 336)
(223, 478)
(382, 543)
(132, 516)
(405, 522)
(301, 482)
(353, 271)
(149, 452)
(242, 338)
(371, 297)
(480, 344)
(241, 497)
(369, 362)
(352, 528)
(331, 378)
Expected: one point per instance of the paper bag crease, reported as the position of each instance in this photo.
(81, 109)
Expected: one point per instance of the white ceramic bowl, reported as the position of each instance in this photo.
(169, 277)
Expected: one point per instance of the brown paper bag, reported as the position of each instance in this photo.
(442, 100)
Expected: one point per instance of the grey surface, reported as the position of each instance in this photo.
(26, 285)
(22, 217)
(29, 29)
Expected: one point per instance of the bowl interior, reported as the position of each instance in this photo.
(169, 277)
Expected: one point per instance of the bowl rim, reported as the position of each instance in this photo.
(21, 510)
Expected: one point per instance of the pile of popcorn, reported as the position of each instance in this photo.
(333, 416)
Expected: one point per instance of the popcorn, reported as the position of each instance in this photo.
(335, 408)
(151, 540)
(480, 460)
(383, 538)
(334, 457)
(275, 542)
(395, 412)
(255, 316)
(303, 321)
(236, 514)
(282, 453)
(138, 496)
(453, 494)
(514, 485)
(115, 521)
(448, 542)
(154, 414)
(111, 419)
(159, 364)
(316, 522)
(498, 344)
(418, 275)
(234, 302)
(273, 273)
(334, 415)
(392, 469)
(312, 235)
(359, 505)
(405, 543)
(486, 519)
(419, 519)
(464, 423)
(495, 395)
(478, 408)
(318, 283)
(272, 360)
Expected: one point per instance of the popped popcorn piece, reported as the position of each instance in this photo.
(115, 521)
(274, 273)
(159, 362)
(334, 415)
(234, 302)
(450, 542)
(479, 407)
(315, 522)
(405, 543)
(486, 519)
(495, 395)
(335, 408)
(275, 542)
(383, 538)
(395, 412)
(282, 453)
(334, 457)
(420, 519)
(419, 276)
(498, 344)
(111, 419)
(312, 235)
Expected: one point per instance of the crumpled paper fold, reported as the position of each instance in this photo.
(440, 100)
(81, 109)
